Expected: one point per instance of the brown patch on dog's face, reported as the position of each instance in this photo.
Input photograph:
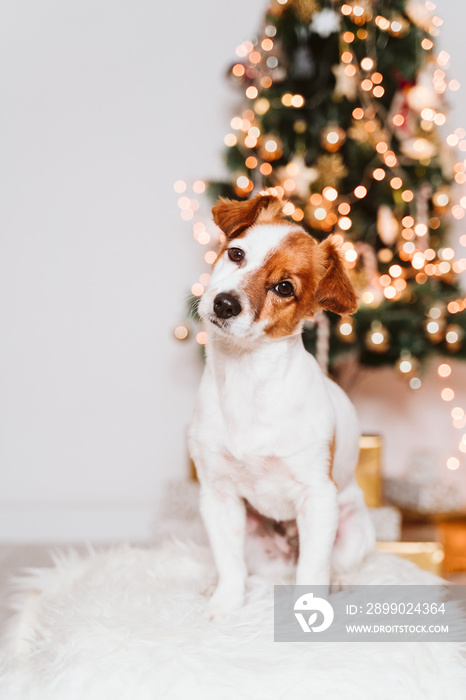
(318, 279)
(294, 262)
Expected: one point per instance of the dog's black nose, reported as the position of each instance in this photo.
(226, 305)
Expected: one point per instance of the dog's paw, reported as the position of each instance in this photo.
(209, 588)
(223, 602)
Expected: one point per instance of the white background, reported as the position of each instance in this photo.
(104, 104)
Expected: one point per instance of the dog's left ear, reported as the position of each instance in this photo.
(233, 216)
(335, 290)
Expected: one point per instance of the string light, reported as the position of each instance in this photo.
(210, 257)
(444, 370)
(367, 63)
(181, 332)
(345, 224)
(330, 193)
(261, 106)
(407, 196)
(265, 169)
(179, 186)
(447, 394)
(199, 187)
(238, 70)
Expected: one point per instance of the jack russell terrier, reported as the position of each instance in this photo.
(268, 427)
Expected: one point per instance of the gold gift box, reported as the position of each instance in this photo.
(427, 555)
(368, 470)
(452, 533)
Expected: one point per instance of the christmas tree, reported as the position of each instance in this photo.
(340, 114)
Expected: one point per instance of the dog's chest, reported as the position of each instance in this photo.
(267, 482)
(261, 414)
(256, 434)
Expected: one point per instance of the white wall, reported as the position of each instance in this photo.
(104, 104)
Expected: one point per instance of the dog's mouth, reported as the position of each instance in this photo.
(217, 322)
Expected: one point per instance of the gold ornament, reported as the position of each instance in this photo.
(377, 338)
(300, 126)
(434, 325)
(332, 138)
(305, 9)
(368, 131)
(385, 255)
(320, 216)
(346, 329)
(454, 337)
(243, 184)
(332, 170)
(270, 147)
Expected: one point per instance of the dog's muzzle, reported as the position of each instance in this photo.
(226, 305)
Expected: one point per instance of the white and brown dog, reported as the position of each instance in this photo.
(268, 427)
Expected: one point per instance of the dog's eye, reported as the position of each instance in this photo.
(284, 289)
(236, 254)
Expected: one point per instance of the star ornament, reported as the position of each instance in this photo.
(303, 175)
(345, 85)
(325, 23)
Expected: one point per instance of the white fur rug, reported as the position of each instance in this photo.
(128, 624)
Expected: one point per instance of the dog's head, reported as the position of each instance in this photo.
(270, 274)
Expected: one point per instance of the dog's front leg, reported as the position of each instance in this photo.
(317, 521)
(225, 520)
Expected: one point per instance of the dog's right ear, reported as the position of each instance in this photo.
(335, 290)
(233, 216)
